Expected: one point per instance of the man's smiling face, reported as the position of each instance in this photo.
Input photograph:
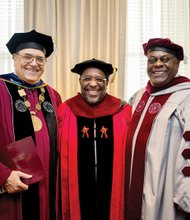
(29, 72)
(93, 84)
(162, 67)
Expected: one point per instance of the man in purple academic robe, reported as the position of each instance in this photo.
(28, 108)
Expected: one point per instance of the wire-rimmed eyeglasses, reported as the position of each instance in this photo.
(28, 58)
(88, 79)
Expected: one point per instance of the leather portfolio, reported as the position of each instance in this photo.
(22, 155)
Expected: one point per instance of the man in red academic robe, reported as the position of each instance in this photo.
(28, 108)
(93, 126)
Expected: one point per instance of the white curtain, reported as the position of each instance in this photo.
(111, 30)
(11, 21)
(81, 29)
(150, 19)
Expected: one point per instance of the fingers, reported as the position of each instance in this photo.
(14, 183)
(24, 175)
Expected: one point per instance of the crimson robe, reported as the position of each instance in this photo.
(15, 125)
(70, 115)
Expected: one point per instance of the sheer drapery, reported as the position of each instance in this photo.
(11, 21)
(112, 30)
(81, 29)
(149, 19)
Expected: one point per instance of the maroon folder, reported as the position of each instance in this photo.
(22, 155)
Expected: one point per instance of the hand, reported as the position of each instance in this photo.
(14, 183)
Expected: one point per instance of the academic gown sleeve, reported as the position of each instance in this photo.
(6, 128)
(4, 173)
(182, 171)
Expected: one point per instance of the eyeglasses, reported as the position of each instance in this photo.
(163, 59)
(28, 58)
(88, 79)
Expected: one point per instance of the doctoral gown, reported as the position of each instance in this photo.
(92, 151)
(40, 200)
(158, 153)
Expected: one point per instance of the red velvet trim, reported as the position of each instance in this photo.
(133, 125)
(186, 153)
(186, 171)
(186, 135)
(134, 195)
(68, 155)
(109, 106)
(151, 89)
(120, 135)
